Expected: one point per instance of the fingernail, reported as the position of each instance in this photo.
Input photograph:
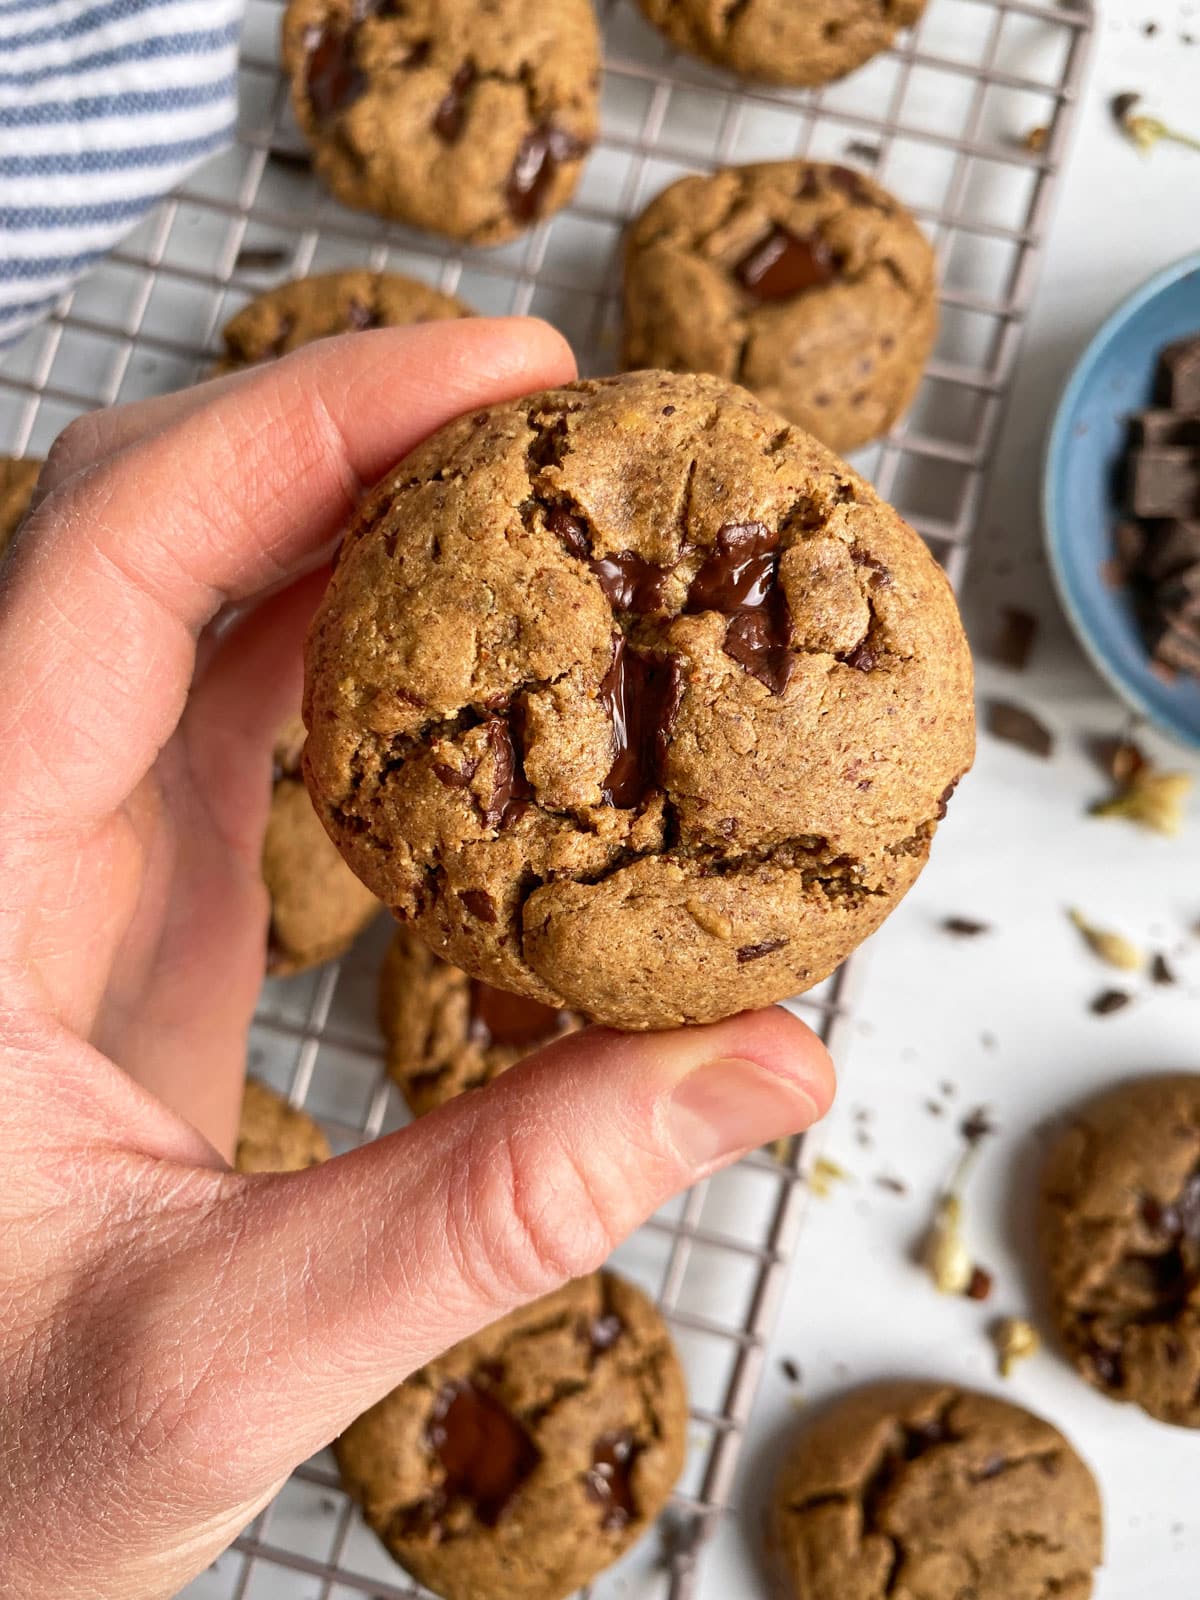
(731, 1105)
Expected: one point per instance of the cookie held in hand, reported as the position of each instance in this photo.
(634, 699)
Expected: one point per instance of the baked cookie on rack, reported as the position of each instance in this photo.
(469, 118)
(1120, 1235)
(318, 906)
(296, 313)
(18, 479)
(808, 283)
(930, 1490)
(531, 1456)
(803, 42)
(632, 698)
(446, 1032)
(274, 1136)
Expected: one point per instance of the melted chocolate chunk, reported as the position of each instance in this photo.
(741, 579)
(361, 317)
(785, 264)
(454, 777)
(498, 1017)
(571, 530)
(483, 1450)
(534, 167)
(755, 952)
(479, 903)
(641, 694)
(605, 1331)
(881, 575)
(451, 113)
(630, 582)
(333, 78)
(1179, 1218)
(510, 789)
(862, 658)
(609, 1479)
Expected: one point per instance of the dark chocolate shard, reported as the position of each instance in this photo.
(1179, 373)
(965, 927)
(1165, 482)
(540, 155)
(251, 258)
(641, 693)
(1020, 727)
(1013, 643)
(510, 788)
(451, 114)
(1160, 427)
(1110, 1000)
(755, 952)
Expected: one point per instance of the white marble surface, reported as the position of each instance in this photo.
(1016, 850)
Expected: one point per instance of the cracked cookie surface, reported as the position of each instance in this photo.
(531, 1456)
(318, 906)
(305, 309)
(916, 1489)
(446, 1032)
(469, 118)
(808, 283)
(633, 699)
(784, 41)
(18, 479)
(1120, 1236)
(274, 1136)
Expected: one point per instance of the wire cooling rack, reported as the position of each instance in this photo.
(966, 121)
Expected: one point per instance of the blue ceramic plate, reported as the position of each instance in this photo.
(1079, 506)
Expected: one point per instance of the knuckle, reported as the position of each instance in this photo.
(79, 445)
(537, 1217)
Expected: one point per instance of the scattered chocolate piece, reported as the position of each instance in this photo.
(1013, 643)
(1110, 1000)
(1121, 105)
(252, 259)
(1161, 427)
(1165, 482)
(291, 160)
(790, 1370)
(1019, 727)
(965, 927)
(948, 1089)
(935, 1108)
(860, 150)
(1179, 373)
(977, 1125)
(979, 1287)
(1118, 759)
(892, 1185)
(1161, 971)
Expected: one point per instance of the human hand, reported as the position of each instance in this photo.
(174, 1337)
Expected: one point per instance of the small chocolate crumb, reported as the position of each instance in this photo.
(977, 1125)
(1019, 727)
(790, 1370)
(1149, 29)
(1160, 970)
(935, 1108)
(1121, 105)
(861, 150)
(965, 927)
(1110, 1000)
(948, 1089)
(980, 1286)
(755, 952)
(250, 259)
(892, 1185)
(1014, 641)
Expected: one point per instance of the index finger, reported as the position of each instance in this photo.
(121, 568)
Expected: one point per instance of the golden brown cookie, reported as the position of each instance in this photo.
(532, 1455)
(808, 283)
(305, 309)
(466, 117)
(784, 41)
(18, 479)
(636, 700)
(318, 906)
(931, 1492)
(447, 1032)
(1120, 1234)
(274, 1136)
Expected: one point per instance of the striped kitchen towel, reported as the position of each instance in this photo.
(105, 105)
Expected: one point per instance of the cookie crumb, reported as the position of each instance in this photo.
(1016, 1340)
(824, 1175)
(710, 920)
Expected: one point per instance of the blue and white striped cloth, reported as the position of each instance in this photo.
(105, 105)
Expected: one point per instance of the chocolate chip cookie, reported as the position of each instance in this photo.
(447, 1032)
(1120, 1234)
(274, 1136)
(318, 906)
(926, 1490)
(784, 41)
(808, 283)
(466, 117)
(531, 1456)
(305, 309)
(18, 478)
(634, 699)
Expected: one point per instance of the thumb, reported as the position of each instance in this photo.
(349, 1276)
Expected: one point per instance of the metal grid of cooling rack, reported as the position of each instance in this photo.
(944, 120)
